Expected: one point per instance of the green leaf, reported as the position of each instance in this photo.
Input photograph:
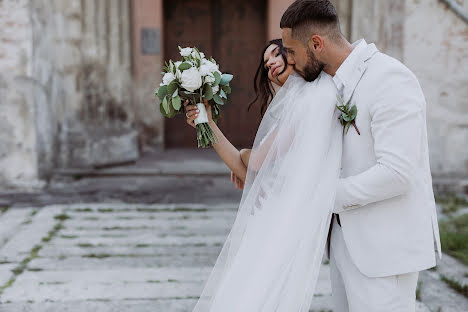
(172, 112)
(222, 94)
(172, 87)
(176, 103)
(353, 112)
(217, 78)
(161, 109)
(176, 93)
(184, 66)
(341, 109)
(225, 79)
(208, 92)
(346, 128)
(165, 105)
(162, 92)
(227, 89)
(346, 117)
(339, 100)
(218, 99)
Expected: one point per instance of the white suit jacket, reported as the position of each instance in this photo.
(384, 197)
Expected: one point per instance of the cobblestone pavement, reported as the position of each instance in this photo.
(121, 257)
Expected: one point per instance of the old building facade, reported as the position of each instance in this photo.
(77, 76)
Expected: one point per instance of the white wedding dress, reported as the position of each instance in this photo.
(272, 256)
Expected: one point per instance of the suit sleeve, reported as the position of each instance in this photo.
(397, 122)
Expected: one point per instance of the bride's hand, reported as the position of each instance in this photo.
(238, 182)
(191, 112)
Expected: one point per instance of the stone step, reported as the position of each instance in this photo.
(159, 225)
(137, 238)
(175, 232)
(55, 251)
(166, 305)
(126, 207)
(122, 262)
(159, 215)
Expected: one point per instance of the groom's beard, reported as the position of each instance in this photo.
(313, 67)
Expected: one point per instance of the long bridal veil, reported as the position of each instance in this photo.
(271, 258)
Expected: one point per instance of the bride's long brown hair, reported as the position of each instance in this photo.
(262, 84)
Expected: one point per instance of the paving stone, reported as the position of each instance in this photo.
(55, 251)
(5, 272)
(166, 305)
(132, 257)
(106, 285)
(161, 225)
(11, 220)
(436, 294)
(141, 238)
(159, 215)
(82, 263)
(124, 207)
(30, 235)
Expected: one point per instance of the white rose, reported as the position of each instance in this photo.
(186, 51)
(209, 78)
(195, 55)
(168, 78)
(207, 67)
(191, 79)
(215, 89)
(202, 54)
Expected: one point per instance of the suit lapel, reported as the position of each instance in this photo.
(358, 71)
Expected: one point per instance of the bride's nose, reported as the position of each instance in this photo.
(270, 63)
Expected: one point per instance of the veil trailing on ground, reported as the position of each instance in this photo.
(272, 256)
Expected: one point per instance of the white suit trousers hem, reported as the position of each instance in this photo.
(352, 291)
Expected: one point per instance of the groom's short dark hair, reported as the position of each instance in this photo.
(306, 17)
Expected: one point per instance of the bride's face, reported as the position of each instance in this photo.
(278, 69)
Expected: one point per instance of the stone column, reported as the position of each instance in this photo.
(147, 62)
(18, 145)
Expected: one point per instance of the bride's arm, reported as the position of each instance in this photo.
(228, 153)
(245, 156)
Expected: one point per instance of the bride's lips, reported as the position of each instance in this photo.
(275, 70)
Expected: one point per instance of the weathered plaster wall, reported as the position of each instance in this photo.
(436, 49)
(18, 162)
(433, 42)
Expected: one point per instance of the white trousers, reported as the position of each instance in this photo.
(352, 291)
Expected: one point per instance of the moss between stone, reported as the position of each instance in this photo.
(32, 254)
(455, 285)
(62, 217)
(454, 237)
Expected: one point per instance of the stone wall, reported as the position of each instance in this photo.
(433, 42)
(18, 160)
(436, 49)
(82, 64)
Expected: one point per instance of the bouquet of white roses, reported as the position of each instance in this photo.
(194, 78)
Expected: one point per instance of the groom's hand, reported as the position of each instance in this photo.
(238, 182)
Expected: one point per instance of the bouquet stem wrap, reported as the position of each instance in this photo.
(205, 135)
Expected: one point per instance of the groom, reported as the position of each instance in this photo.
(385, 223)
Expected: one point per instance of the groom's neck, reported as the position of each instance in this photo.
(337, 54)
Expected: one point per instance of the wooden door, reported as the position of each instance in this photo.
(233, 32)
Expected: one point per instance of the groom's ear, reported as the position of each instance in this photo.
(316, 43)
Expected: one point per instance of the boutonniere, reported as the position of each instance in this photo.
(348, 115)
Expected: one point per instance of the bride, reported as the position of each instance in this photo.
(271, 258)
